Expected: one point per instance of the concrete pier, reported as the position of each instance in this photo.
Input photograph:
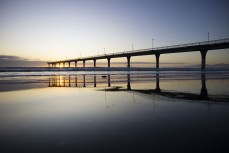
(94, 62)
(83, 63)
(157, 60)
(203, 59)
(75, 64)
(203, 47)
(128, 61)
(109, 62)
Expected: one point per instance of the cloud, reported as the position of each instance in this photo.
(16, 61)
(10, 58)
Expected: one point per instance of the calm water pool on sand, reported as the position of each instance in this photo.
(114, 112)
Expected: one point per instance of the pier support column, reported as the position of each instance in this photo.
(203, 59)
(69, 64)
(75, 64)
(83, 63)
(157, 60)
(128, 61)
(109, 62)
(63, 64)
(94, 62)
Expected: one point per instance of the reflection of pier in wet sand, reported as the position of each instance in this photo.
(96, 80)
(77, 81)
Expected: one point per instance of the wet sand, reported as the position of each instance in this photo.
(114, 112)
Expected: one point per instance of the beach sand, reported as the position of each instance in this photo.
(114, 111)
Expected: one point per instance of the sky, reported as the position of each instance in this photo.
(49, 30)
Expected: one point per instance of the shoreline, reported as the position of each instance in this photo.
(48, 69)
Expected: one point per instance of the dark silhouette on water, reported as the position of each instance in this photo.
(128, 82)
(55, 82)
(204, 91)
(158, 89)
(94, 80)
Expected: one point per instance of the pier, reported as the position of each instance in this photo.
(202, 47)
